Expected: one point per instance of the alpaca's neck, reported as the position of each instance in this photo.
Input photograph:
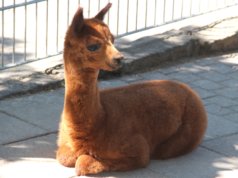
(82, 99)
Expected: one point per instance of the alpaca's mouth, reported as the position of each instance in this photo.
(115, 65)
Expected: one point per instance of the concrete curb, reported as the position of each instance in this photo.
(176, 46)
(142, 54)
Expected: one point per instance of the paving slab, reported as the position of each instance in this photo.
(229, 146)
(132, 78)
(218, 126)
(43, 109)
(207, 62)
(111, 83)
(154, 75)
(232, 82)
(12, 129)
(214, 76)
(200, 163)
(183, 77)
(232, 116)
(228, 92)
(222, 68)
(139, 173)
(207, 84)
(35, 148)
(32, 158)
(235, 108)
(218, 110)
(222, 101)
(203, 93)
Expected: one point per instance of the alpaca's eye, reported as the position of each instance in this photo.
(93, 47)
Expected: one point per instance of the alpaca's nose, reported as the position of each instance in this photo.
(118, 57)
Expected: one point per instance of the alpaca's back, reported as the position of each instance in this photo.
(158, 110)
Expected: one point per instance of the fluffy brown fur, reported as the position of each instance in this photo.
(121, 128)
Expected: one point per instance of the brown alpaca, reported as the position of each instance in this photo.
(121, 128)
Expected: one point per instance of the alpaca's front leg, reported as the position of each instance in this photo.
(86, 164)
(130, 155)
(66, 157)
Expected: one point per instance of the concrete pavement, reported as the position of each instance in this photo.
(28, 126)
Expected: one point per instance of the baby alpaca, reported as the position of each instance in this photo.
(122, 128)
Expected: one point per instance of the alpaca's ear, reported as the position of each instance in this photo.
(101, 14)
(77, 22)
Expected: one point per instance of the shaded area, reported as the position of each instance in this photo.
(29, 84)
(40, 147)
(10, 55)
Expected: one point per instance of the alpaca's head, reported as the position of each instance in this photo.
(89, 43)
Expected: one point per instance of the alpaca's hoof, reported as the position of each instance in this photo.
(86, 165)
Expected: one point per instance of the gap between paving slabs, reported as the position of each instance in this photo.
(144, 54)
